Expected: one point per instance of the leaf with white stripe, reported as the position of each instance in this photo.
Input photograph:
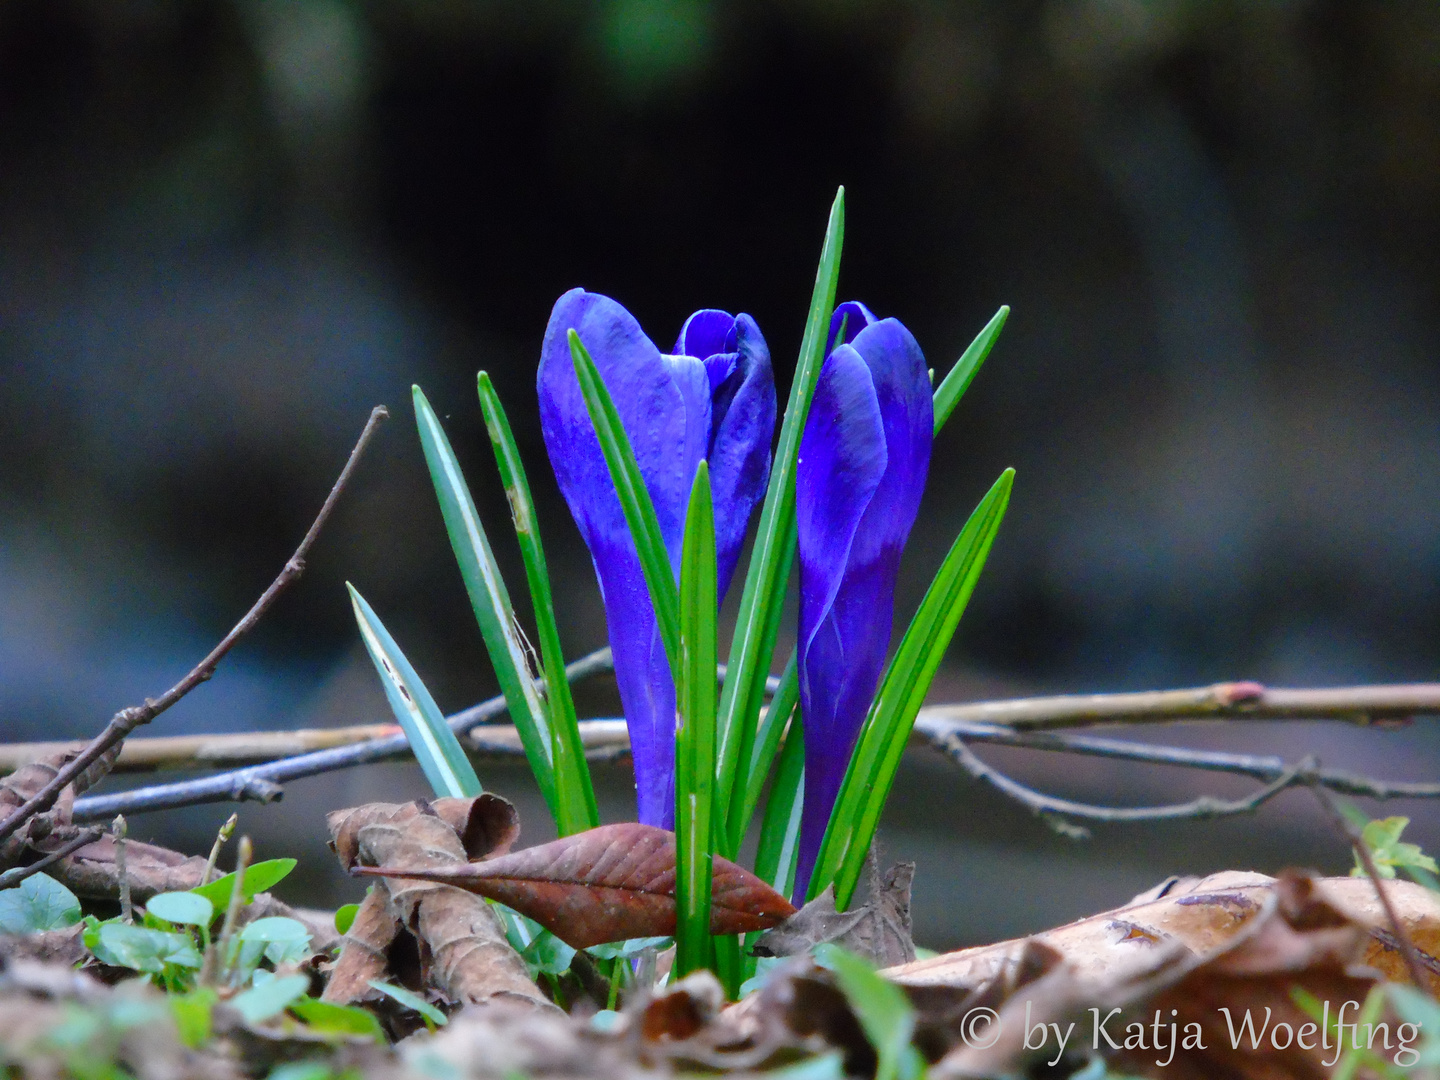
(436, 747)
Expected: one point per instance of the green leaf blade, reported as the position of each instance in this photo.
(902, 691)
(345, 917)
(436, 748)
(37, 904)
(779, 848)
(574, 790)
(259, 877)
(759, 756)
(762, 601)
(954, 385)
(489, 598)
(695, 740)
(884, 1013)
(634, 498)
(333, 1021)
(270, 998)
(410, 1000)
(181, 908)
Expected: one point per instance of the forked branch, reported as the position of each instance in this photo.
(127, 720)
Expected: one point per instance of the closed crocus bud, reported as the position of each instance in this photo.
(864, 455)
(712, 399)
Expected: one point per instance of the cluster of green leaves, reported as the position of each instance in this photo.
(1370, 1046)
(1389, 853)
(729, 745)
(253, 970)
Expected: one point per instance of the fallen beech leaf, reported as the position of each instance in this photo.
(605, 884)
(816, 922)
(463, 950)
(878, 930)
(1200, 915)
(1283, 935)
(363, 956)
(1303, 942)
(91, 871)
(19, 788)
(485, 825)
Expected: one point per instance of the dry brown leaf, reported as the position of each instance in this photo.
(485, 825)
(64, 946)
(878, 929)
(1218, 945)
(463, 949)
(91, 872)
(363, 955)
(1201, 915)
(17, 789)
(606, 884)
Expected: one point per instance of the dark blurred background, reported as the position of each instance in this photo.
(228, 228)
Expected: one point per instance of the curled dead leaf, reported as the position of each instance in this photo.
(484, 825)
(879, 929)
(463, 950)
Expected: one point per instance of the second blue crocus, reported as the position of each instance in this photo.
(863, 460)
(713, 397)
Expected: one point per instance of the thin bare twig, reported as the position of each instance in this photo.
(203, 751)
(1265, 767)
(20, 873)
(127, 720)
(1362, 850)
(1205, 806)
(262, 783)
(1222, 701)
(608, 740)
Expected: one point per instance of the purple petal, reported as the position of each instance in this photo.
(850, 553)
(706, 333)
(692, 380)
(742, 425)
(902, 386)
(664, 406)
(854, 317)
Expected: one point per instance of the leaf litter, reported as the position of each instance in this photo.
(1274, 950)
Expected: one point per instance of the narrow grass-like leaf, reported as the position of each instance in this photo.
(953, 388)
(411, 1000)
(902, 691)
(634, 500)
(489, 598)
(436, 747)
(574, 792)
(728, 963)
(779, 848)
(762, 602)
(755, 767)
(695, 741)
(882, 1008)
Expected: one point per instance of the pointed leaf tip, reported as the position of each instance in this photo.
(611, 883)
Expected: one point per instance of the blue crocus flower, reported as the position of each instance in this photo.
(712, 398)
(863, 459)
